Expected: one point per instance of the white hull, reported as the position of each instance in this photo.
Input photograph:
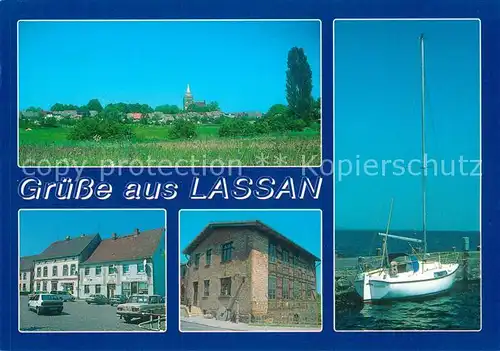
(431, 279)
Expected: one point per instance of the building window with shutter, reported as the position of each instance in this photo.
(285, 256)
(286, 289)
(227, 252)
(45, 272)
(206, 287)
(140, 267)
(86, 289)
(39, 272)
(73, 269)
(225, 286)
(208, 257)
(272, 252)
(197, 261)
(271, 294)
(111, 269)
(65, 270)
(87, 270)
(125, 268)
(142, 288)
(97, 289)
(98, 270)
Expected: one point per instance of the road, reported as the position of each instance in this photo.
(76, 316)
(187, 326)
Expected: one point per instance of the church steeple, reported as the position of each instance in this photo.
(188, 98)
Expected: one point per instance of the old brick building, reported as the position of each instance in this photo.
(247, 270)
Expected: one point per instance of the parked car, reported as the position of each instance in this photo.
(37, 293)
(98, 299)
(117, 299)
(64, 295)
(43, 303)
(141, 306)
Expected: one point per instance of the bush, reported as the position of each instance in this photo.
(100, 129)
(236, 127)
(297, 125)
(182, 129)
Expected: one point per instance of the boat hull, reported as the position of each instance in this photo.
(376, 288)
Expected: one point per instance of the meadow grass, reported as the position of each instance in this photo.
(151, 148)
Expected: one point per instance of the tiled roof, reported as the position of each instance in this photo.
(263, 228)
(66, 248)
(129, 247)
(26, 263)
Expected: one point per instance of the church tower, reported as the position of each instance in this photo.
(188, 98)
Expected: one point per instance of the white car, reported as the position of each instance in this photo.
(141, 306)
(63, 295)
(45, 303)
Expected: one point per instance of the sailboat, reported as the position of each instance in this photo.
(403, 276)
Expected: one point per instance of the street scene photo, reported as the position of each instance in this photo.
(250, 270)
(190, 93)
(92, 270)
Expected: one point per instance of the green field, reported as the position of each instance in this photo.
(152, 147)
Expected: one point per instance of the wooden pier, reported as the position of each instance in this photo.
(346, 268)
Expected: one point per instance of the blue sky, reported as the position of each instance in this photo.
(241, 65)
(377, 116)
(39, 229)
(302, 227)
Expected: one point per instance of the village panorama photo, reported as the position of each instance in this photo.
(204, 93)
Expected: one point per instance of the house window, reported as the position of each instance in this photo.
(225, 286)
(286, 289)
(87, 270)
(38, 286)
(111, 269)
(227, 252)
(142, 288)
(73, 269)
(44, 286)
(86, 289)
(286, 256)
(45, 271)
(197, 260)
(54, 271)
(24, 286)
(97, 289)
(125, 268)
(206, 287)
(208, 257)
(271, 293)
(53, 286)
(140, 267)
(296, 290)
(272, 252)
(296, 261)
(65, 270)
(39, 272)
(24, 275)
(126, 289)
(98, 270)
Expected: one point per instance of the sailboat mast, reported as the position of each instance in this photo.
(424, 163)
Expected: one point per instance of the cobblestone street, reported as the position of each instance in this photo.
(76, 316)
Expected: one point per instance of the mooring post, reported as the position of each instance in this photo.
(466, 257)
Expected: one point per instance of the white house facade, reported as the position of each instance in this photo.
(57, 267)
(57, 274)
(126, 265)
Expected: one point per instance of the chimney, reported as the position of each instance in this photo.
(137, 232)
(67, 238)
(114, 236)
